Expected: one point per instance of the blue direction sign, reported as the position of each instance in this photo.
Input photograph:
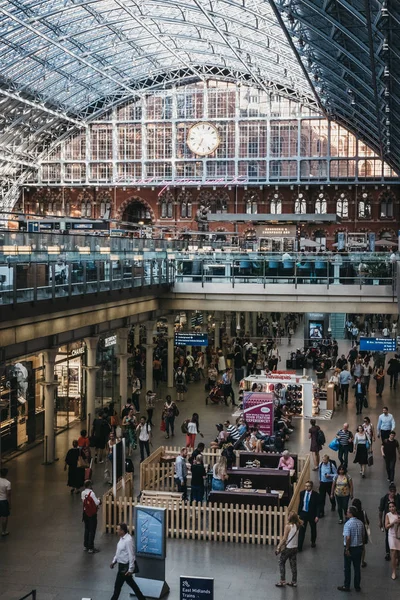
(191, 339)
(196, 588)
(378, 344)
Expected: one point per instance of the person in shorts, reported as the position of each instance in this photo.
(5, 501)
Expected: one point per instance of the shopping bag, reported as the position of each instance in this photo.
(334, 445)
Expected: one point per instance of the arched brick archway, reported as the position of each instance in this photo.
(132, 207)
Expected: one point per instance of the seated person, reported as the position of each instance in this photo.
(241, 425)
(233, 432)
(251, 442)
(221, 438)
(230, 456)
(286, 462)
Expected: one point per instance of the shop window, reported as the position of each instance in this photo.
(251, 205)
(300, 205)
(386, 207)
(364, 207)
(276, 205)
(342, 206)
(320, 205)
(166, 209)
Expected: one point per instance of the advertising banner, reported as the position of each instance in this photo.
(258, 407)
(150, 532)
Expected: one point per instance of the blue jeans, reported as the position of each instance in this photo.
(355, 558)
(218, 485)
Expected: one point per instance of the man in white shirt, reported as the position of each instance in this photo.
(144, 433)
(386, 424)
(5, 501)
(90, 517)
(125, 558)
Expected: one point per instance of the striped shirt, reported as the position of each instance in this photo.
(344, 436)
(354, 529)
(233, 432)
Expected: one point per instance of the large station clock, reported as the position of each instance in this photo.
(203, 139)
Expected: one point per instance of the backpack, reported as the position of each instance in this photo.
(184, 426)
(321, 437)
(179, 379)
(89, 506)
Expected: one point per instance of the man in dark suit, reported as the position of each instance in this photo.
(308, 513)
(360, 393)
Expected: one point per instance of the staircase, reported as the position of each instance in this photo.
(337, 324)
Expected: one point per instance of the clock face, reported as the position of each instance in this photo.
(203, 139)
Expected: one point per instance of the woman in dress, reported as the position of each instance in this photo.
(361, 447)
(193, 428)
(220, 474)
(315, 447)
(392, 524)
(342, 491)
(369, 429)
(170, 411)
(287, 549)
(76, 475)
(380, 381)
(130, 423)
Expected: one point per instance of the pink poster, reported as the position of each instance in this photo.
(258, 407)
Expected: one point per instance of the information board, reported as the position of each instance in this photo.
(196, 588)
(191, 339)
(378, 344)
(150, 532)
(258, 407)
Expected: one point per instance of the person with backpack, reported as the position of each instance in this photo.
(143, 431)
(326, 472)
(317, 437)
(89, 516)
(180, 382)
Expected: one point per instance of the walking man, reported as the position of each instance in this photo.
(326, 471)
(228, 391)
(181, 473)
(125, 559)
(360, 393)
(353, 535)
(5, 501)
(386, 424)
(143, 431)
(389, 448)
(308, 513)
(345, 438)
(90, 508)
(344, 381)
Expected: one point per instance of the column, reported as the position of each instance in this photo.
(228, 324)
(246, 322)
(149, 355)
(136, 335)
(238, 324)
(254, 320)
(91, 368)
(171, 346)
(49, 386)
(122, 355)
(216, 329)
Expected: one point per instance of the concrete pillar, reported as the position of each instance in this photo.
(136, 335)
(122, 355)
(254, 322)
(216, 329)
(246, 322)
(49, 387)
(238, 324)
(170, 366)
(228, 324)
(91, 368)
(149, 355)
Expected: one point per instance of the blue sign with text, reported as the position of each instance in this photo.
(150, 532)
(378, 344)
(196, 588)
(191, 339)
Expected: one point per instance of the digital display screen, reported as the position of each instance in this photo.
(82, 225)
(150, 531)
(316, 330)
(378, 344)
(191, 339)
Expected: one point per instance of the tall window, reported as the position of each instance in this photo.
(276, 205)
(167, 206)
(251, 200)
(219, 204)
(342, 206)
(185, 202)
(364, 207)
(320, 205)
(386, 207)
(300, 205)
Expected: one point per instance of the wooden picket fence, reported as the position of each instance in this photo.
(201, 521)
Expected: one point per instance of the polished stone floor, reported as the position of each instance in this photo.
(44, 549)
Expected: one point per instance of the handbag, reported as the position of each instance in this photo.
(370, 459)
(334, 445)
(351, 446)
(284, 544)
(135, 568)
(163, 425)
(365, 402)
(82, 463)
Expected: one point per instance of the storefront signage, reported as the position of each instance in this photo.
(191, 339)
(150, 532)
(258, 407)
(110, 341)
(77, 351)
(378, 344)
(196, 588)
(275, 230)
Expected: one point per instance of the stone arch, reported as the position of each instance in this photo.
(135, 200)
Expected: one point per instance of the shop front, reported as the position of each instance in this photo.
(276, 238)
(68, 372)
(107, 387)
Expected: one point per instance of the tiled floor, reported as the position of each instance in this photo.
(44, 549)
